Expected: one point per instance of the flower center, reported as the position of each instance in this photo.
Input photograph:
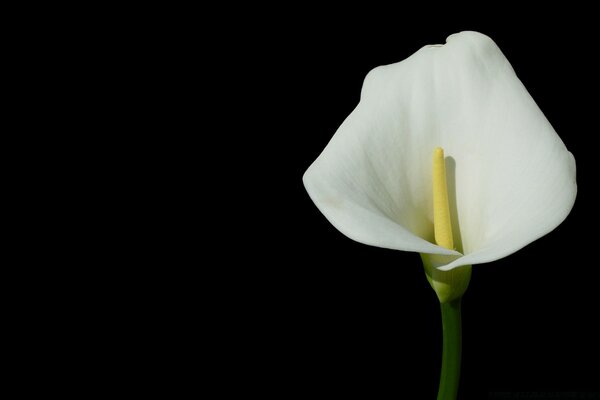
(442, 227)
(448, 285)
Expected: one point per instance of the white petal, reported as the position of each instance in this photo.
(510, 176)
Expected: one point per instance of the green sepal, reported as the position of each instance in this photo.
(448, 285)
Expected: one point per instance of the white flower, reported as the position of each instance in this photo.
(510, 178)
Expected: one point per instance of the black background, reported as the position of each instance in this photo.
(324, 315)
(285, 305)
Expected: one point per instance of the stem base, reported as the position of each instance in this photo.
(451, 353)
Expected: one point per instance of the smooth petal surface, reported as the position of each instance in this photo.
(510, 178)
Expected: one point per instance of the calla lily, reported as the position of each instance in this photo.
(500, 176)
(511, 179)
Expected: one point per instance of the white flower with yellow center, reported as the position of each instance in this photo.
(503, 179)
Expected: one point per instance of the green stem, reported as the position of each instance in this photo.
(452, 349)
